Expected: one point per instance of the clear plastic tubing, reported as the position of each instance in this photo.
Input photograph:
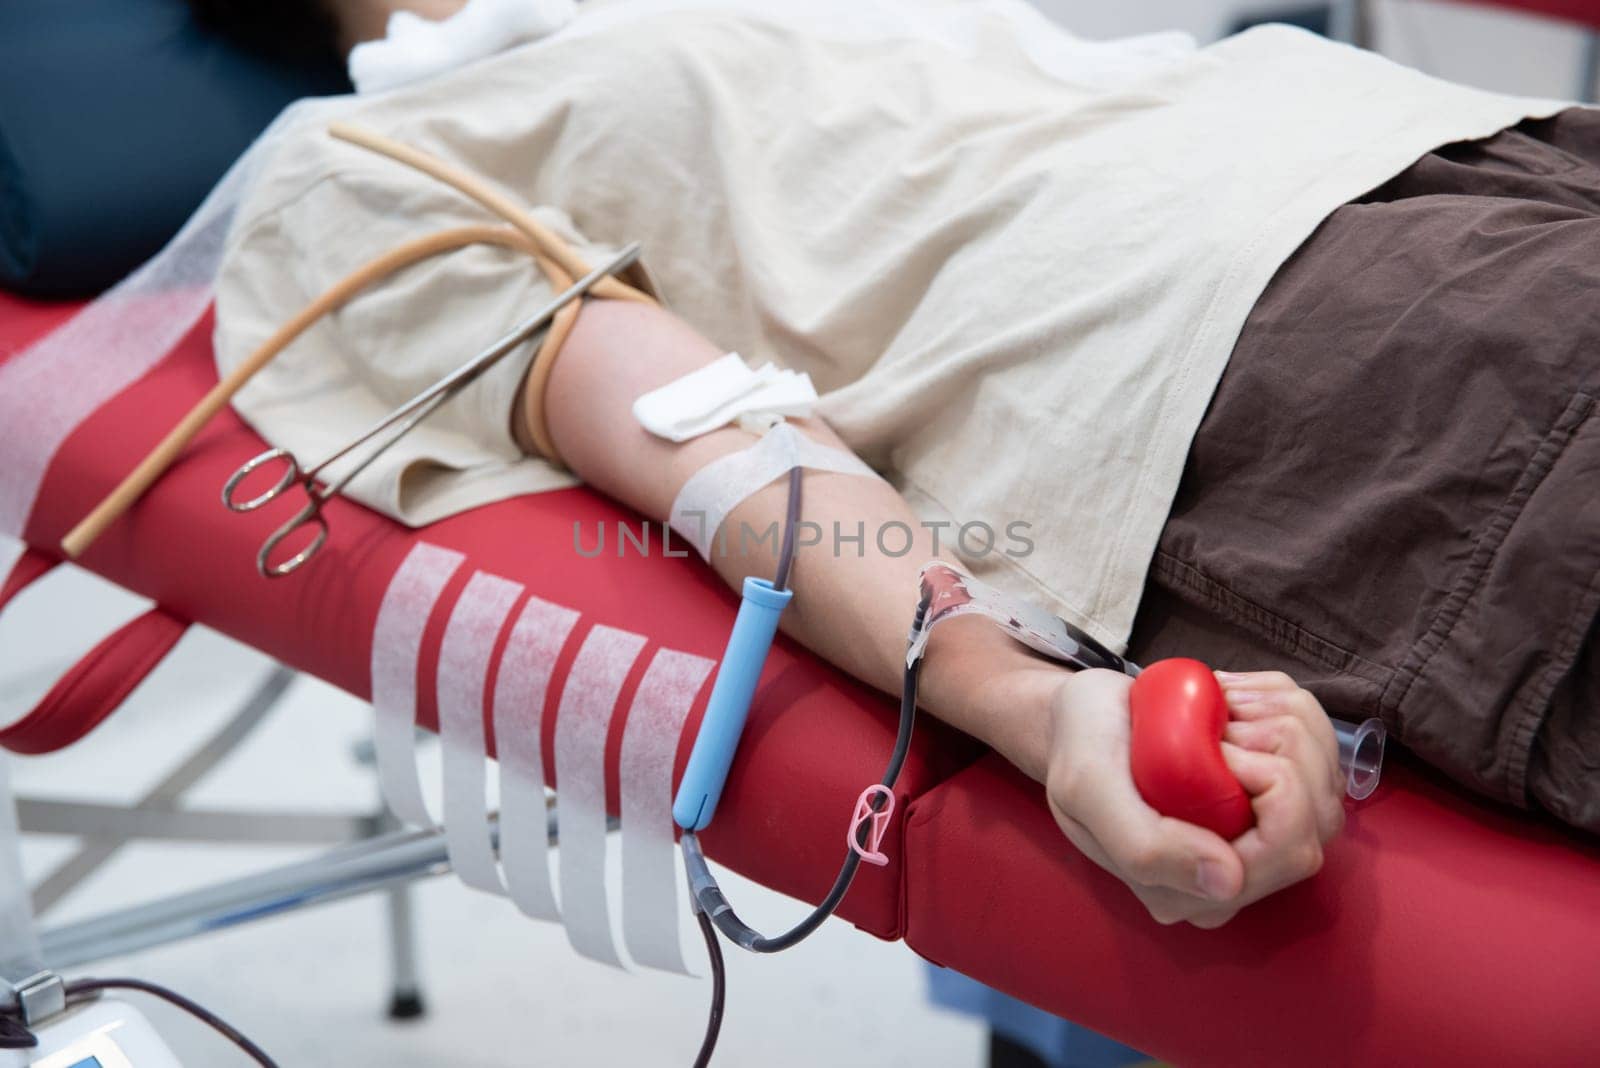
(1360, 755)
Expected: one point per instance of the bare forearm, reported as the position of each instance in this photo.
(854, 601)
(1070, 732)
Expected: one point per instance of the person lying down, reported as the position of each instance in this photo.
(1283, 356)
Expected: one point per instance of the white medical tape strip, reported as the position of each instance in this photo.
(469, 638)
(649, 859)
(519, 699)
(716, 489)
(587, 705)
(396, 643)
(20, 955)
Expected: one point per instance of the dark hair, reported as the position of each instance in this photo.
(292, 29)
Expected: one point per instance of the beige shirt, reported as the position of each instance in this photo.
(1014, 263)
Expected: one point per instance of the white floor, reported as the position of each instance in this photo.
(501, 990)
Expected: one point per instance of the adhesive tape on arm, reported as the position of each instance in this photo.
(703, 504)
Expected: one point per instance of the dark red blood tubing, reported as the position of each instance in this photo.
(1179, 713)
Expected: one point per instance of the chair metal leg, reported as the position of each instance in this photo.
(405, 999)
(95, 850)
(361, 867)
(405, 982)
(405, 992)
(373, 864)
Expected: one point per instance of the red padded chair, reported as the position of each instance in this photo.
(1442, 930)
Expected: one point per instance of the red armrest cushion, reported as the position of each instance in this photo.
(1441, 930)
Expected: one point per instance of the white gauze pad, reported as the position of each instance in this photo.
(720, 393)
(649, 859)
(519, 697)
(469, 639)
(587, 705)
(717, 488)
(396, 641)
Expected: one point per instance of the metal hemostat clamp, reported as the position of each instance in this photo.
(396, 425)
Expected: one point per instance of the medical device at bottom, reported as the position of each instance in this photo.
(107, 1033)
(56, 1023)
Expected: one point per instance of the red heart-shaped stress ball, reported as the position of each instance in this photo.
(1179, 713)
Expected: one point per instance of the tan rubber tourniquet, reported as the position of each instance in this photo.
(559, 262)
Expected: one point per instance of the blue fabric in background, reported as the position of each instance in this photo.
(1059, 1043)
(116, 118)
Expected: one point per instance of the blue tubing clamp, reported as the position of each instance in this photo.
(729, 705)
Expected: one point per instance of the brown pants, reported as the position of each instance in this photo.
(1395, 495)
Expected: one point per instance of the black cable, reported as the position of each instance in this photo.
(719, 976)
(712, 910)
(79, 987)
(14, 1034)
(719, 991)
(709, 897)
(780, 581)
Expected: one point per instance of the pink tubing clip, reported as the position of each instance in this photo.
(880, 823)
